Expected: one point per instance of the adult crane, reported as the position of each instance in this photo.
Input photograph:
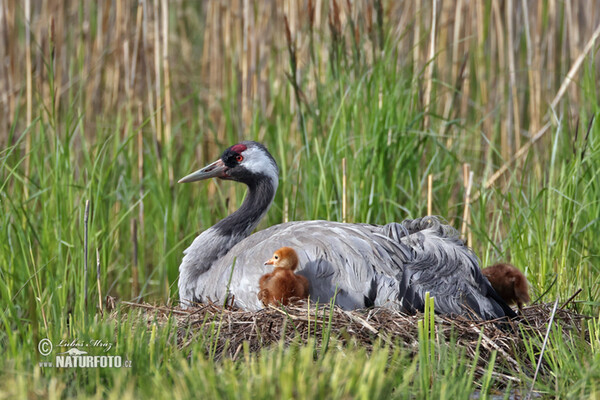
(361, 265)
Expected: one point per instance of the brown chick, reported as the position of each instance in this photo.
(509, 283)
(282, 284)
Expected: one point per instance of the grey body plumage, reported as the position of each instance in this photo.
(393, 265)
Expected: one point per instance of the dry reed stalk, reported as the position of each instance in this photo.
(443, 29)
(56, 71)
(344, 215)
(570, 299)
(514, 103)
(145, 54)
(48, 85)
(60, 74)
(553, 43)
(430, 194)
(41, 79)
(481, 71)
(205, 64)
(430, 65)
(120, 38)
(456, 46)
(467, 183)
(572, 31)
(167, 79)
(417, 36)
(245, 65)
(29, 90)
(500, 94)
(98, 58)
(529, 45)
(85, 251)
(126, 68)
(6, 97)
(159, 133)
(98, 282)
(154, 308)
(464, 104)
(136, 44)
(140, 164)
(575, 68)
(537, 66)
(134, 261)
(112, 71)
(7, 49)
(483, 77)
(116, 210)
(167, 289)
(4, 90)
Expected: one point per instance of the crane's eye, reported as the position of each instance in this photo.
(239, 158)
(276, 257)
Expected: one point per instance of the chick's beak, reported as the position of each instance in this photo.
(270, 262)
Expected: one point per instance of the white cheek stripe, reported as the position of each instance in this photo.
(256, 161)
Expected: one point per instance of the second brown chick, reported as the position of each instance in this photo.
(509, 283)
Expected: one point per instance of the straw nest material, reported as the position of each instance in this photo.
(230, 328)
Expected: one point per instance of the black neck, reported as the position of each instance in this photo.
(258, 200)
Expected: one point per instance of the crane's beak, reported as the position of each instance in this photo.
(218, 169)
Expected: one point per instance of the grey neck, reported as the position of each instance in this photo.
(242, 222)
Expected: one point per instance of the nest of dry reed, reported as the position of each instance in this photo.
(305, 320)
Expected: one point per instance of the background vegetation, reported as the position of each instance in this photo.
(111, 102)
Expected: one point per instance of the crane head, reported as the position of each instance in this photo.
(244, 162)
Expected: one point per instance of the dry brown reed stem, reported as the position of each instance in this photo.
(416, 45)
(575, 68)
(570, 299)
(514, 103)
(136, 44)
(168, 310)
(456, 45)
(499, 39)
(29, 88)
(140, 164)
(344, 209)
(167, 86)
(85, 250)
(430, 194)
(157, 76)
(467, 183)
(134, 260)
(306, 320)
(430, 66)
(100, 307)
